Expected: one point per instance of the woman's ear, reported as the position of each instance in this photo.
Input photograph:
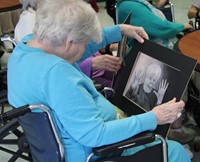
(67, 44)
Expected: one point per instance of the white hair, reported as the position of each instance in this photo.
(29, 3)
(58, 20)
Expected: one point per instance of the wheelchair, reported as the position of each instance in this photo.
(168, 11)
(3, 74)
(31, 140)
(26, 125)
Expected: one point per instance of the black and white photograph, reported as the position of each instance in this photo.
(149, 81)
(152, 77)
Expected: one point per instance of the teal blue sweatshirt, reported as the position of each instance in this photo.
(84, 118)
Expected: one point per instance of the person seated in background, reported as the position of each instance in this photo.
(194, 13)
(52, 77)
(98, 67)
(101, 66)
(159, 29)
(26, 20)
(194, 10)
(111, 7)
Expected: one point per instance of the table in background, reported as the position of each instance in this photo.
(190, 45)
(8, 5)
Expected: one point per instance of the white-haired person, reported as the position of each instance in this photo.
(193, 11)
(27, 19)
(98, 67)
(47, 59)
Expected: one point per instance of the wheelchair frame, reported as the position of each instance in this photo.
(143, 138)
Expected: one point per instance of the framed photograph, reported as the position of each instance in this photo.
(152, 75)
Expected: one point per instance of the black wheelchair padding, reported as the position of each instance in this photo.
(43, 148)
(140, 139)
(152, 153)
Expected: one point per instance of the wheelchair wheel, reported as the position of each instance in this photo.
(17, 141)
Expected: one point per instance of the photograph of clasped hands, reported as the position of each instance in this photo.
(149, 82)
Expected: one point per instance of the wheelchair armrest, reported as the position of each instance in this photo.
(140, 139)
(8, 38)
(99, 87)
(14, 113)
(103, 90)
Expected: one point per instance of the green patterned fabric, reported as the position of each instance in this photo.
(151, 19)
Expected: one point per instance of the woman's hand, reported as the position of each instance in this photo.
(134, 32)
(106, 62)
(168, 112)
(187, 26)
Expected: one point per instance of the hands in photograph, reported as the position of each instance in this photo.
(138, 79)
(161, 91)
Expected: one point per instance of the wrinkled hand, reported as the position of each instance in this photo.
(106, 62)
(114, 47)
(161, 91)
(134, 32)
(168, 112)
(187, 26)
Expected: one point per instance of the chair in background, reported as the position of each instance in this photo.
(38, 136)
(197, 23)
(3, 74)
(168, 10)
(111, 9)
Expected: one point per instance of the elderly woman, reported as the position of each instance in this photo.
(98, 67)
(27, 19)
(43, 69)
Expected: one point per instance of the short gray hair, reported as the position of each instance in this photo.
(58, 20)
(29, 3)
